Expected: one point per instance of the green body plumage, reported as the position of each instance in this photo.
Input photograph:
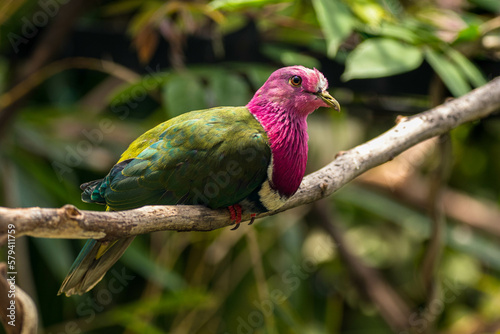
(215, 157)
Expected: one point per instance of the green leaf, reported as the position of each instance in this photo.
(491, 5)
(336, 22)
(228, 89)
(290, 57)
(467, 67)
(379, 57)
(370, 12)
(238, 4)
(400, 32)
(451, 75)
(137, 90)
(257, 74)
(183, 93)
(470, 33)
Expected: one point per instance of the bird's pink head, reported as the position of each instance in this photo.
(296, 89)
(281, 105)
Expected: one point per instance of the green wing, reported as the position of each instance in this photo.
(215, 157)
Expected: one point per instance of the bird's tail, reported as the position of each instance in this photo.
(89, 268)
(92, 192)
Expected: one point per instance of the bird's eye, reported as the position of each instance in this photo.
(295, 80)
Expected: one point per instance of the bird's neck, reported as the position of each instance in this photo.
(287, 133)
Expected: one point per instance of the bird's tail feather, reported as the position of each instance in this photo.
(94, 191)
(95, 259)
(89, 194)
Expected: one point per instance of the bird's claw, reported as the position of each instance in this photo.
(252, 219)
(235, 212)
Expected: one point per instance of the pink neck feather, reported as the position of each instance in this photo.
(287, 132)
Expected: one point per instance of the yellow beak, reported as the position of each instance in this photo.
(328, 99)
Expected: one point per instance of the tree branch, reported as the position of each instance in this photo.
(69, 222)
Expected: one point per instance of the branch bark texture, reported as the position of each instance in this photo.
(69, 222)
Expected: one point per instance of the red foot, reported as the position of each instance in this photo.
(235, 212)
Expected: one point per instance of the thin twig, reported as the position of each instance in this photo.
(435, 245)
(36, 78)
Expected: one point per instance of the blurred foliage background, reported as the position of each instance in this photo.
(412, 244)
